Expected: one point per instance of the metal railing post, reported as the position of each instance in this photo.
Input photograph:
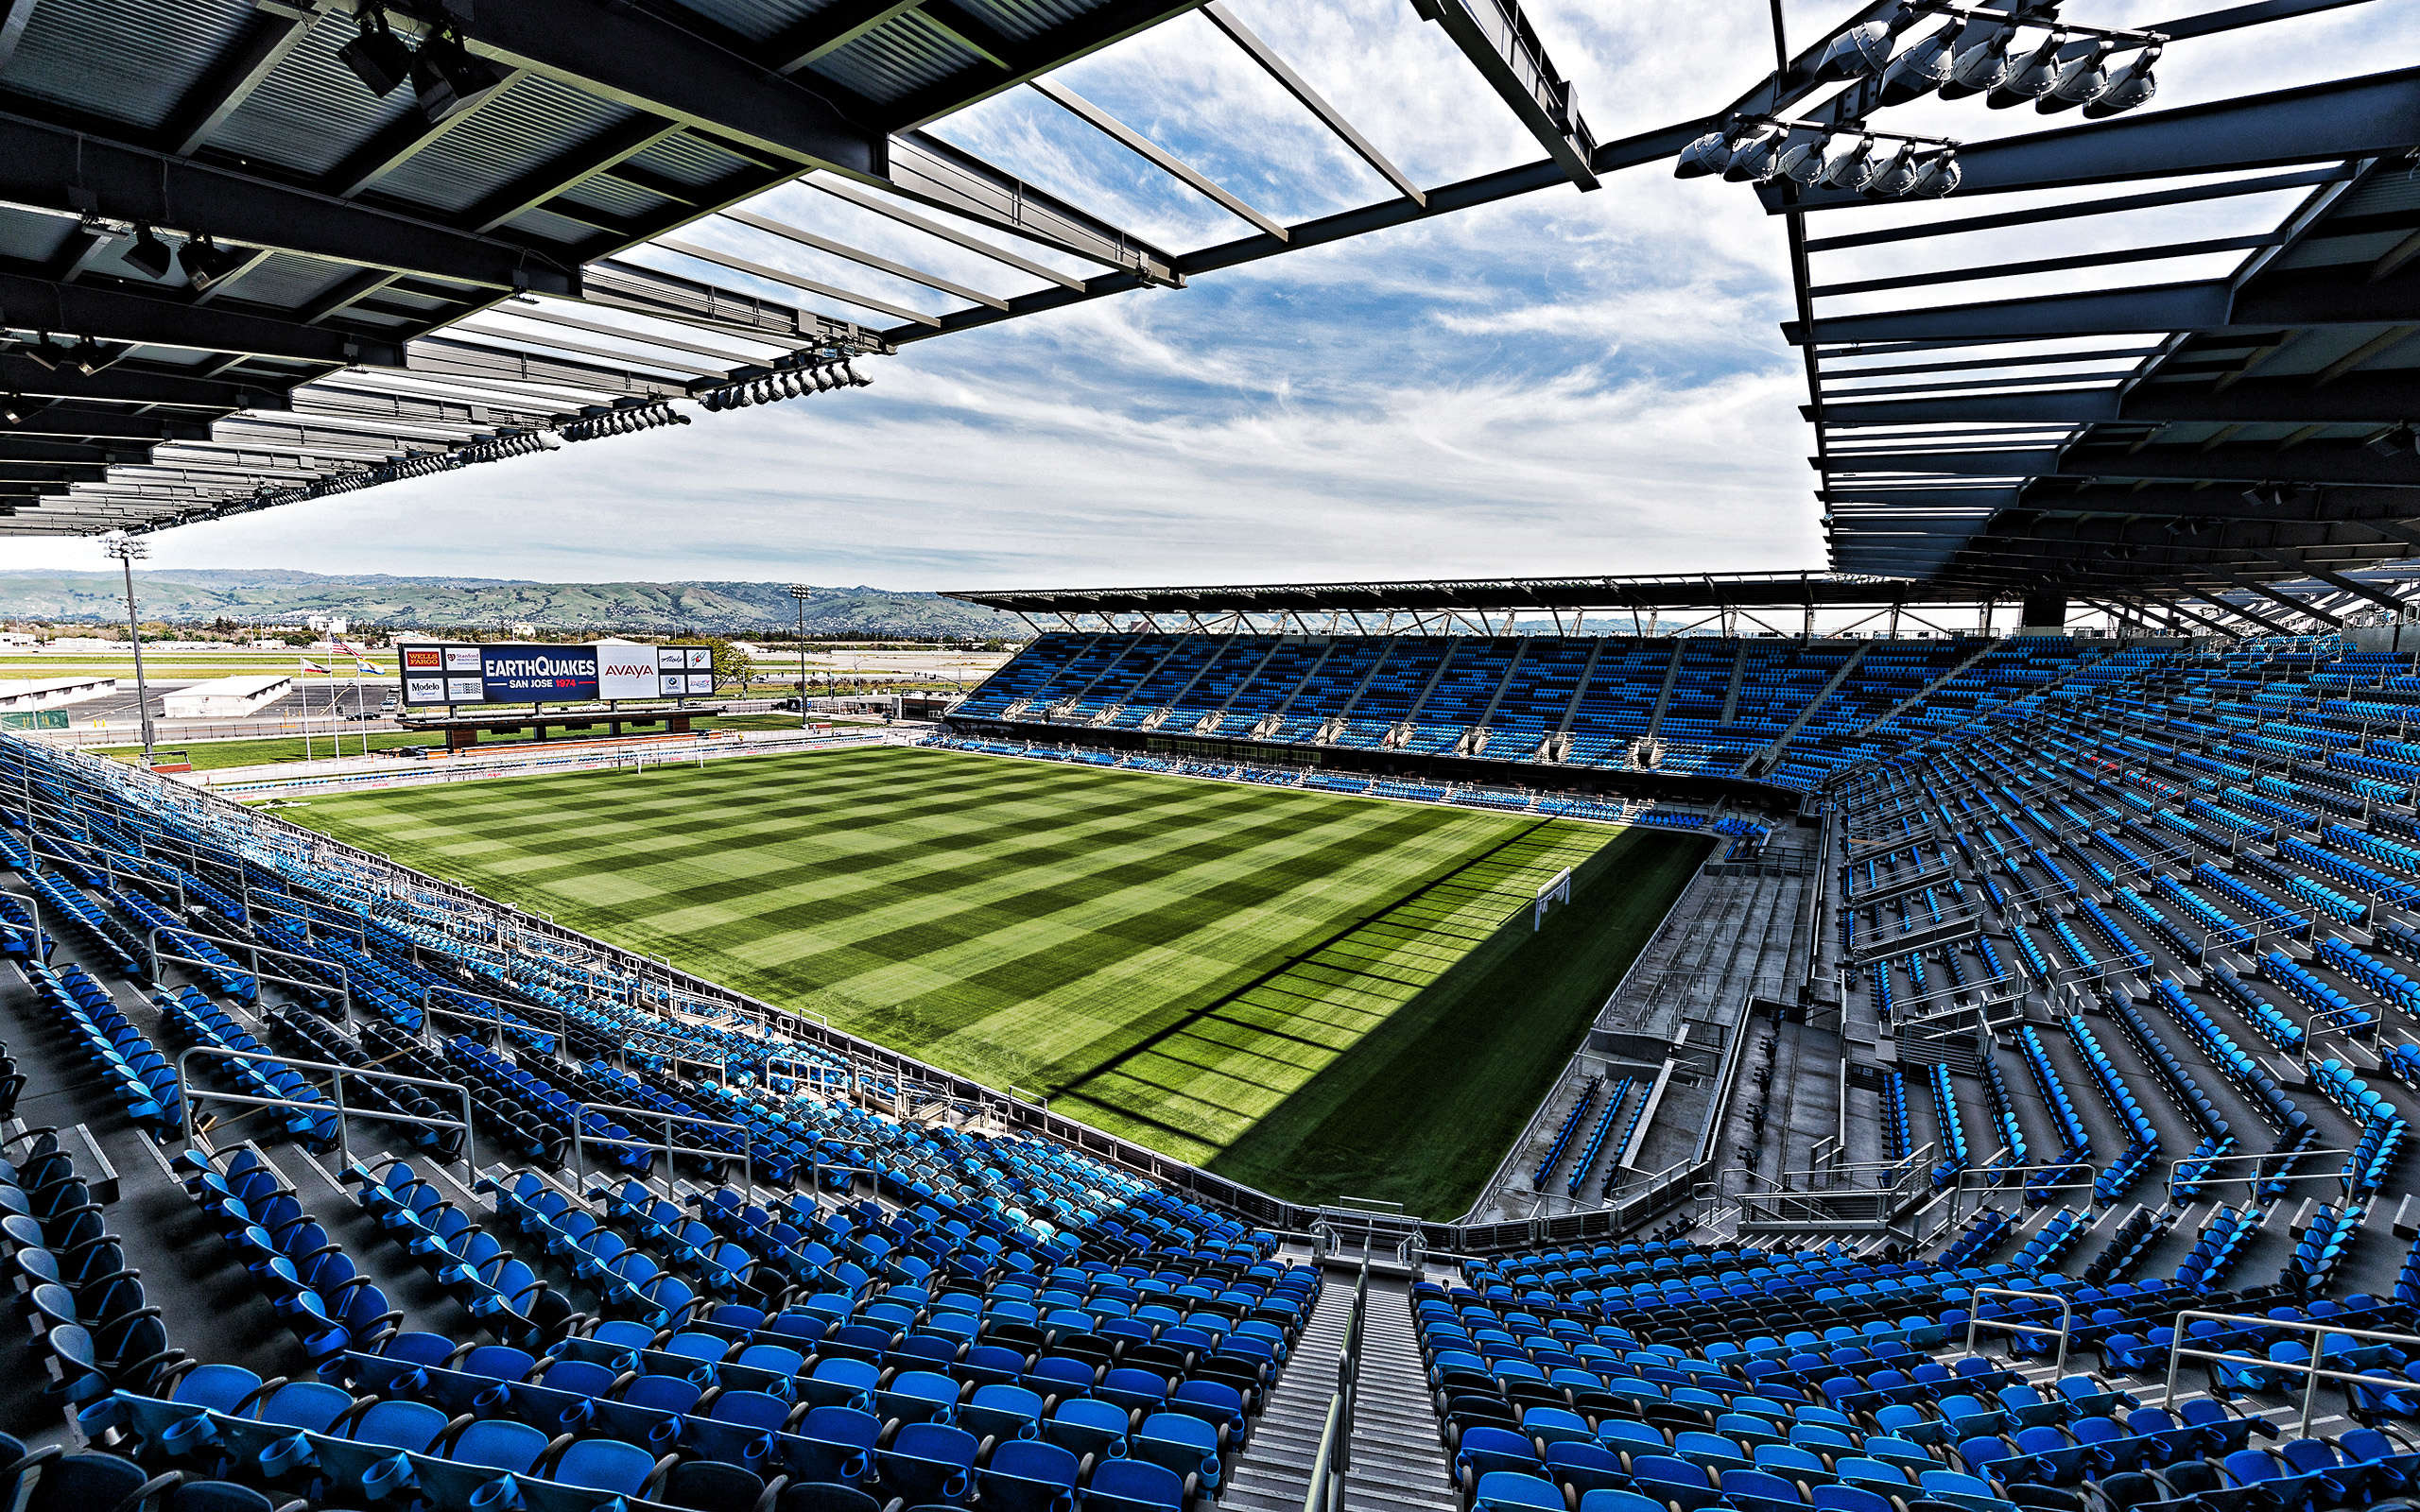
(187, 1094)
(2313, 1372)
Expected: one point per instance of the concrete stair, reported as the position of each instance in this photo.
(1397, 1462)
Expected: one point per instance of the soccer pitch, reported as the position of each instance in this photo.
(1316, 994)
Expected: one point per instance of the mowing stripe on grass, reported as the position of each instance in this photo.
(1185, 959)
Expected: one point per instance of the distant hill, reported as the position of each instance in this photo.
(439, 603)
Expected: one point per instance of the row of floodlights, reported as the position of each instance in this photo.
(786, 382)
(1975, 52)
(441, 71)
(1759, 149)
(623, 422)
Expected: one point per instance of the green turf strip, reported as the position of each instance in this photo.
(1315, 994)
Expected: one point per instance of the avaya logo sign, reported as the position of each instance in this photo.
(629, 669)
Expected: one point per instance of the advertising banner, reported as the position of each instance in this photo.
(553, 674)
(537, 673)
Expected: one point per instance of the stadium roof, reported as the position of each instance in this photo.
(232, 275)
(2236, 431)
(1450, 603)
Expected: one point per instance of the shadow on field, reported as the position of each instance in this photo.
(1420, 1110)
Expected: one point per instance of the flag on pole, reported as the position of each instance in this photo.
(309, 666)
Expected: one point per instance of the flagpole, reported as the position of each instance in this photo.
(302, 675)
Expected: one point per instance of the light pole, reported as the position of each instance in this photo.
(128, 550)
(800, 592)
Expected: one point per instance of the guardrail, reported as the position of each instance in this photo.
(156, 956)
(187, 1094)
(2312, 1373)
(1326, 1492)
(579, 1143)
(2066, 1321)
(430, 1012)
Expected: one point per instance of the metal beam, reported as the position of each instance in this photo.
(742, 264)
(1151, 152)
(843, 189)
(2230, 464)
(2363, 399)
(1011, 64)
(2378, 116)
(2110, 205)
(1311, 100)
(437, 354)
(143, 320)
(884, 264)
(624, 54)
(931, 171)
(128, 384)
(2313, 610)
(567, 170)
(47, 167)
(409, 135)
(1501, 44)
(830, 29)
(710, 307)
(231, 79)
(2335, 580)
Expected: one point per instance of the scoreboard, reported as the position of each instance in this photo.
(437, 674)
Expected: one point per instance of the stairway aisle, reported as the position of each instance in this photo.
(1397, 1462)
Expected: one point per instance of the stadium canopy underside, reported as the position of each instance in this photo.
(1782, 603)
(232, 275)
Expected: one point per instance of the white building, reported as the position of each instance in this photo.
(225, 697)
(49, 693)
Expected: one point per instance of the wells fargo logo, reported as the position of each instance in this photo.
(427, 659)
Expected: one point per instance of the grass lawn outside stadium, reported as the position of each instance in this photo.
(1319, 995)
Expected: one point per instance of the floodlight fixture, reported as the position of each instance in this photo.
(150, 255)
(1800, 158)
(2395, 441)
(88, 358)
(1846, 170)
(1979, 65)
(1921, 69)
(1708, 154)
(446, 74)
(2030, 77)
(1890, 177)
(1752, 160)
(14, 411)
(206, 263)
(2085, 78)
(1862, 50)
(377, 57)
(46, 353)
(2128, 87)
(1935, 178)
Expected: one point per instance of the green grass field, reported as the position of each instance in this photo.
(1319, 995)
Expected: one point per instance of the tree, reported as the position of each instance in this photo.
(732, 666)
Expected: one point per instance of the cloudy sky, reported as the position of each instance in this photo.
(1557, 383)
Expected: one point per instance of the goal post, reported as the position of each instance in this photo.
(1555, 889)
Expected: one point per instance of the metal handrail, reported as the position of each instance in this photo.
(429, 1012)
(746, 1140)
(2252, 1183)
(2066, 1321)
(1326, 1492)
(187, 1095)
(2312, 1373)
(152, 948)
